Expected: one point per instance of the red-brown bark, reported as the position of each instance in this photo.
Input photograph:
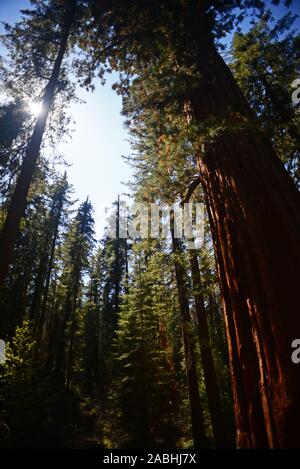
(254, 213)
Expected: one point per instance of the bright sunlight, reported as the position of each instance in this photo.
(35, 108)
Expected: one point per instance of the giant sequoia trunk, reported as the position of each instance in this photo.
(18, 203)
(254, 213)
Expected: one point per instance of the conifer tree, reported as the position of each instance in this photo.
(13, 120)
(252, 202)
(78, 247)
(265, 62)
(144, 389)
(20, 297)
(56, 218)
(59, 18)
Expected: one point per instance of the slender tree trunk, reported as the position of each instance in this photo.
(39, 282)
(71, 351)
(210, 378)
(43, 267)
(118, 265)
(191, 370)
(63, 359)
(71, 307)
(126, 267)
(217, 324)
(44, 320)
(18, 203)
(165, 346)
(51, 344)
(254, 213)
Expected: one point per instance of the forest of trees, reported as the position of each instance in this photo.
(149, 343)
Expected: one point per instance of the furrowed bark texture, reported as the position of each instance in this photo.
(254, 213)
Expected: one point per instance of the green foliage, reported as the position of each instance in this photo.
(13, 138)
(12, 119)
(24, 395)
(265, 62)
(41, 231)
(76, 255)
(102, 354)
(145, 395)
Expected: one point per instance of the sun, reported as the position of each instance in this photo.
(35, 108)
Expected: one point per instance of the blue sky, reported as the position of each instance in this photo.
(94, 152)
(97, 143)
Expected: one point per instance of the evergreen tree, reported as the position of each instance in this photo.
(125, 345)
(265, 62)
(59, 19)
(144, 390)
(24, 284)
(78, 247)
(13, 137)
(24, 396)
(39, 307)
(252, 202)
